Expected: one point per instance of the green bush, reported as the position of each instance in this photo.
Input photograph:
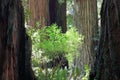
(48, 43)
(87, 70)
(51, 74)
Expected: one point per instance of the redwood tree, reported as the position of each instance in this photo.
(47, 12)
(85, 19)
(57, 11)
(12, 42)
(108, 58)
(39, 12)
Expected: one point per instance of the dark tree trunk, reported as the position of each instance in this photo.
(12, 42)
(29, 74)
(58, 13)
(108, 58)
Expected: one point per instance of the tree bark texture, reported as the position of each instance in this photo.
(108, 57)
(47, 12)
(12, 42)
(39, 12)
(85, 19)
(57, 12)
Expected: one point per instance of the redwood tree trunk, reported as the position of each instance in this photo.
(12, 42)
(108, 57)
(39, 12)
(57, 12)
(47, 12)
(85, 19)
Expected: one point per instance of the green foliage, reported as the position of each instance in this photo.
(74, 40)
(61, 74)
(75, 72)
(27, 12)
(50, 42)
(70, 13)
(87, 73)
(38, 24)
(51, 74)
(61, 1)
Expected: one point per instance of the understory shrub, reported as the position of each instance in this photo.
(47, 44)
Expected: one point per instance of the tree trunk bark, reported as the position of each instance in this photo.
(108, 58)
(12, 41)
(47, 12)
(57, 12)
(39, 10)
(85, 19)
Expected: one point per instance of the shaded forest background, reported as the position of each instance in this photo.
(59, 39)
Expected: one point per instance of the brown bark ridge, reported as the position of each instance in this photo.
(39, 10)
(108, 57)
(47, 12)
(85, 19)
(12, 42)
